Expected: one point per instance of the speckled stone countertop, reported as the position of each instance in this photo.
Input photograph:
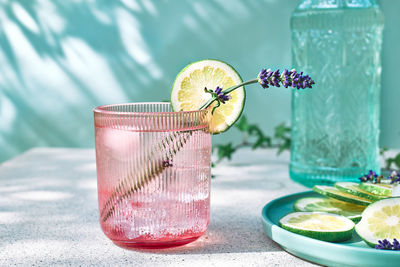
(49, 214)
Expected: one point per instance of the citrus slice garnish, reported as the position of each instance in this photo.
(188, 91)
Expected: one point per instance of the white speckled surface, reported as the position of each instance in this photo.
(49, 215)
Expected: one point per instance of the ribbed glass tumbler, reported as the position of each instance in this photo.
(153, 174)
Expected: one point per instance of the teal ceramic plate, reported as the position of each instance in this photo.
(350, 253)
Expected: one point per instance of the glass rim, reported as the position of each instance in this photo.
(102, 110)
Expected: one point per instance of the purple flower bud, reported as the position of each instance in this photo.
(396, 244)
(394, 177)
(285, 84)
(372, 173)
(384, 244)
(287, 79)
(221, 96)
(371, 176)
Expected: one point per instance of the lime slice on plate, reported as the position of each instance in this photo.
(354, 189)
(318, 225)
(380, 189)
(330, 205)
(380, 220)
(188, 91)
(333, 192)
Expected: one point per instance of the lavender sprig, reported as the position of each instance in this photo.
(395, 244)
(288, 78)
(386, 245)
(217, 95)
(222, 96)
(371, 176)
(266, 78)
(394, 177)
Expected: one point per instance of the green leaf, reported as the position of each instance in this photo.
(281, 131)
(284, 146)
(258, 143)
(268, 141)
(225, 151)
(242, 124)
(262, 141)
(255, 130)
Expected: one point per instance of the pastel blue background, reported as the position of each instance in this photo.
(59, 59)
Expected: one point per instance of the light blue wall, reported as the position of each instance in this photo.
(59, 59)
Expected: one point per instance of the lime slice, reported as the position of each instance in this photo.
(354, 189)
(330, 205)
(380, 220)
(333, 192)
(318, 225)
(378, 189)
(188, 91)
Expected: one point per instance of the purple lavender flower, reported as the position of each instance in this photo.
(396, 244)
(394, 177)
(288, 78)
(370, 176)
(221, 96)
(268, 78)
(383, 244)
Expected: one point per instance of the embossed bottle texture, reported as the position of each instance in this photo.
(335, 126)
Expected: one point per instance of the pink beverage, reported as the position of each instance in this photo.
(153, 174)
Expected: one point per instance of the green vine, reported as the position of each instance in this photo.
(254, 137)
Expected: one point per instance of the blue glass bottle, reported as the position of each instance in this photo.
(335, 125)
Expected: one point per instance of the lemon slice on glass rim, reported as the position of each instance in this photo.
(188, 91)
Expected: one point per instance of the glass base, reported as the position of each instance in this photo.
(134, 245)
(310, 176)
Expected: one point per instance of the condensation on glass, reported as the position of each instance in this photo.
(153, 174)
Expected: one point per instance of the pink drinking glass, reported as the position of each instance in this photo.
(153, 174)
